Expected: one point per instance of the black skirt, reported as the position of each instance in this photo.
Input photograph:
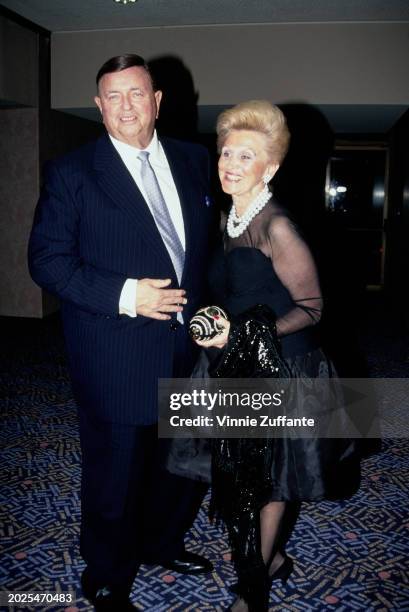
(293, 469)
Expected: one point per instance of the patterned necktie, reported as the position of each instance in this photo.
(161, 214)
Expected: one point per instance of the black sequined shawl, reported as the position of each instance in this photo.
(241, 468)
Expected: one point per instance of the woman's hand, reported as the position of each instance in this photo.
(220, 340)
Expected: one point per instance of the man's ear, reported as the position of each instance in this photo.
(97, 101)
(158, 98)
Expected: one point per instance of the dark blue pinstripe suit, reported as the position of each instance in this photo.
(93, 230)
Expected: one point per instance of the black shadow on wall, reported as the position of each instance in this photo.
(178, 115)
(178, 111)
(300, 186)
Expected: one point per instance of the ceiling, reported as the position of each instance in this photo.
(74, 15)
(77, 15)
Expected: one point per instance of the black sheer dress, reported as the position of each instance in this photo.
(271, 264)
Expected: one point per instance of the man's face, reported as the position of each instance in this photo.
(128, 105)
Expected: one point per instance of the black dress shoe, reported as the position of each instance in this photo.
(112, 603)
(106, 599)
(189, 563)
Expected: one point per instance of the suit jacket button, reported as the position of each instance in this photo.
(174, 325)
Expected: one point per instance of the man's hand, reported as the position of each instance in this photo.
(153, 300)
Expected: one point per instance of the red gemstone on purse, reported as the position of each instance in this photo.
(204, 325)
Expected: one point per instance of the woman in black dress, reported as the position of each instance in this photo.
(264, 260)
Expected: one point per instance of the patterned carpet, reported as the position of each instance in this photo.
(348, 556)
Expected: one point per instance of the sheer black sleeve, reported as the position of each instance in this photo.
(295, 267)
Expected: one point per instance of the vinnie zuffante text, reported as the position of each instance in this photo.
(261, 420)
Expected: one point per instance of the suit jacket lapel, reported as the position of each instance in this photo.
(187, 191)
(114, 178)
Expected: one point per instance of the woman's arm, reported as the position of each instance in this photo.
(295, 267)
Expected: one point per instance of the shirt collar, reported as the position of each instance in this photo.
(128, 151)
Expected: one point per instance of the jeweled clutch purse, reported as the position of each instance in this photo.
(205, 323)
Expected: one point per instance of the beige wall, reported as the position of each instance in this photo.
(338, 63)
(18, 64)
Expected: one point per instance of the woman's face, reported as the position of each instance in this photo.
(243, 162)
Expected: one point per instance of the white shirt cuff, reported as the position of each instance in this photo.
(127, 300)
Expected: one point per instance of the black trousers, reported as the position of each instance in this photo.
(132, 509)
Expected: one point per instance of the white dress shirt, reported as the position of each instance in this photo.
(160, 165)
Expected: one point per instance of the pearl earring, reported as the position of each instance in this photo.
(267, 178)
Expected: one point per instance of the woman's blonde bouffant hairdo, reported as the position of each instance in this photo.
(258, 116)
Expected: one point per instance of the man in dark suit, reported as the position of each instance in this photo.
(120, 235)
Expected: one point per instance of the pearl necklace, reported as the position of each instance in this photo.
(236, 225)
